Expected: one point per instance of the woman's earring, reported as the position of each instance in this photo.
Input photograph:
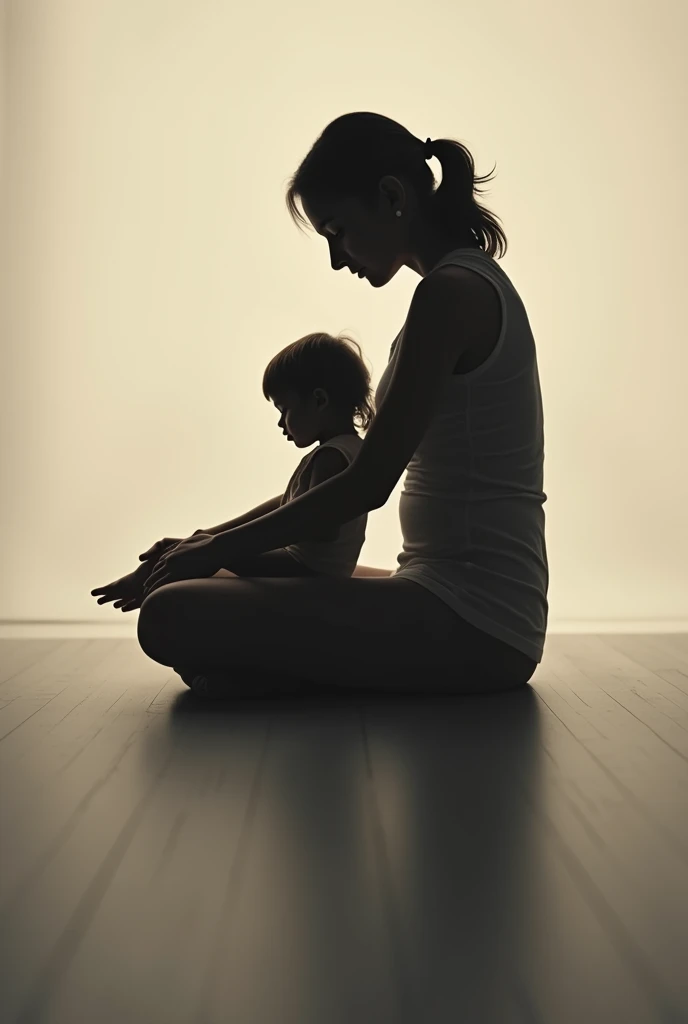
(398, 213)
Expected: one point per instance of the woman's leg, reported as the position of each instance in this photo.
(345, 633)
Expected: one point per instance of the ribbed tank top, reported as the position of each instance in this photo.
(471, 509)
(337, 557)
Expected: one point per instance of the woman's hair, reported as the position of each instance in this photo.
(320, 360)
(356, 150)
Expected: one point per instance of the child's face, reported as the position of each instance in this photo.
(299, 418)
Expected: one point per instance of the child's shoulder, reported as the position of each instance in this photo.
(348, 445)
(348, 441)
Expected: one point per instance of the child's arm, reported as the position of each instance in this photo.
(328, 463)
(270, 563)
(325, 464)
(161, 547)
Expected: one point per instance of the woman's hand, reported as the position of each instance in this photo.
(161, 547)
(194, 558)
(164, 546)
(126, 592)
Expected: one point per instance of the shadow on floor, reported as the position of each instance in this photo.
(414, 809)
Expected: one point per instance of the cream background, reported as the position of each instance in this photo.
(150, 269)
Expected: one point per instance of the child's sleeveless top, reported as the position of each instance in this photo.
(337, 557)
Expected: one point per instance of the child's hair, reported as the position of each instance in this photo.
(320, 360)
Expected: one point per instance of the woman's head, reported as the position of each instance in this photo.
(367, 187)
(321, 387)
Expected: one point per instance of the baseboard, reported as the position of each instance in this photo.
(67, 629)
(567, 626)
(16, 629)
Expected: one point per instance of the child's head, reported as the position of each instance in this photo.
(321, 388)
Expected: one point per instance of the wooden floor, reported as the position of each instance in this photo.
(508, 859)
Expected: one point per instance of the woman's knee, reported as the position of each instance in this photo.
(158, 622)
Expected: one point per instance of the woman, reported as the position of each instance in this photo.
(458, 407)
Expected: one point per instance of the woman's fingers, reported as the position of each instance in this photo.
(151, 551)
(154, 581)
(157, 549)
(149, 585)
(158, 583)
(115, 591)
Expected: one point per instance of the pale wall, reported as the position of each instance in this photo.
(151, 269)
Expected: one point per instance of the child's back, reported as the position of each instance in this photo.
(336, 557)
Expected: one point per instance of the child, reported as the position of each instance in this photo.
(321, 388)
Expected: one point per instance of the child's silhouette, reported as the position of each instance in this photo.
(321, 388)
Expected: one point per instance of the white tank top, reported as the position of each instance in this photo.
(471, 509)
(337, 557)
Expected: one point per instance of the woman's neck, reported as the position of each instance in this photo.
(429, 251)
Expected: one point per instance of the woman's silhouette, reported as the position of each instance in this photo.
(458, 407)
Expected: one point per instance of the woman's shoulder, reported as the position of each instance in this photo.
(481, 314)
(475, 280)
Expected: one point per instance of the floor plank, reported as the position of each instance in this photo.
(16, 656)
(495, 860)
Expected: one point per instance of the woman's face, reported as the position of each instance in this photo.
(361, 238)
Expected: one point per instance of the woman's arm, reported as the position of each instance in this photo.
(315, 514)
(326, 464)
(248, 517)
(444, 318)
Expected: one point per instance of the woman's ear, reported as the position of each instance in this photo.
(393, 192)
